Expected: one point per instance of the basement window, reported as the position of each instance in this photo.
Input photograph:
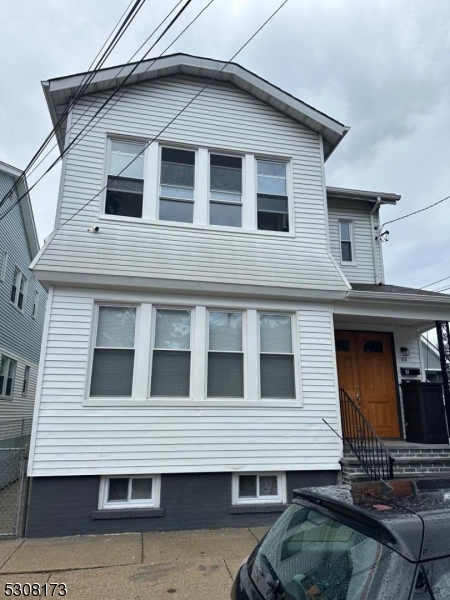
(259, 488)
(125, 189)
(140, 491)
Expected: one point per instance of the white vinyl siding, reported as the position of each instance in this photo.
(362, 269)
(144, 437)
(223, 119)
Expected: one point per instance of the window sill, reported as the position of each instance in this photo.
(19, 310)
(10, 398)
(189, 403)
(194, 226)
(127, 513)
(240, 509)
(345, 263)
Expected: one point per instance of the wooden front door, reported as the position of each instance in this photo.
(366, 372)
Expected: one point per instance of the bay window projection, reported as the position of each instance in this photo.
(171, 364)
(272, 198)
(225, 205)
(225, 355)
(125, 189)
(114, 351)
(177, 184)
(277, 368)
(7, 376)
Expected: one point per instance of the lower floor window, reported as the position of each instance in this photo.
(259, 488)
(130, 492)
(7, 375)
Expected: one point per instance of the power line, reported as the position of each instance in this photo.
(121, 70)
(415, 212)
(111, 106)
(87, 78)
(74, 141)
(111, 179)
(434, 282)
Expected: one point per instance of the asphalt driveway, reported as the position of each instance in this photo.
(184, 565)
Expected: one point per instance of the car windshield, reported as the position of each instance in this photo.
(308, 555)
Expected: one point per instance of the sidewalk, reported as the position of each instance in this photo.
(184, 565)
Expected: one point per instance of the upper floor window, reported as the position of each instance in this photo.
(272, 198)
(225, 355)
(177, 184)
(225, 182)
(26, 379)
(125, 190)
(113, 354)
(19, 289)
(277, 368)
(346, 241)
(7, 376)
(171, 366)
(4, 265)
(35, 305)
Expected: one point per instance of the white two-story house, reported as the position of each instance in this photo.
(208, 298)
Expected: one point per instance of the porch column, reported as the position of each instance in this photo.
(443, 336)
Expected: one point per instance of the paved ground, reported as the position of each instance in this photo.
(195, 565)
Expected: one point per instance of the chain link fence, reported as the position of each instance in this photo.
(14, 443)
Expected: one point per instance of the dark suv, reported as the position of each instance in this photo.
(383, 540)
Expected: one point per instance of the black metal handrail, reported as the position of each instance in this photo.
(359, 435)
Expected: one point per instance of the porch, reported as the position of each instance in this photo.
(392, 418)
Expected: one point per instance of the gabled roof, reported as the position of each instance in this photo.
(346, 194)
(25, 207)
(59, 91)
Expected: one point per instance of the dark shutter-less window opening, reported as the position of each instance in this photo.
(125, 190)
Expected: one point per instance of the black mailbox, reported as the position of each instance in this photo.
(425, 417)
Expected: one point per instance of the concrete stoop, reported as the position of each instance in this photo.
(411, 460)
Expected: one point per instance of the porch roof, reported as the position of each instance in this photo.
(383, 288)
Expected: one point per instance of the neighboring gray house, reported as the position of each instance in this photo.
(22, 301)
(431, 361)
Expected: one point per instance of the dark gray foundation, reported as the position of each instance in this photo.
(62, 506)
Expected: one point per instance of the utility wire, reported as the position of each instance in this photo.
(111, 179)
(74, 141)
(119, 72)
(111, 106)
(87, 78)
(434, 282)
(415, 212)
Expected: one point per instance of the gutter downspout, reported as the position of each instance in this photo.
(374, 242)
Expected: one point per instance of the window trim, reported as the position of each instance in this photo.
(193, 149)
(92, 346)
(9, 359)
(353, 262)
(5, 258)
(103, 503)
(26, 381)
(163, 399)
(244, 397)
(107, 163)
(280, 498)
(35, 309)
(295, 354)
(25, 289)
(289, 193)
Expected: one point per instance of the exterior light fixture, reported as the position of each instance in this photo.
(405, 351)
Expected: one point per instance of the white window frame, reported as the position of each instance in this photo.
(4, 266)
(280, 498)
(192, 311)
(154, 502)
(243, 312)
(92, 347)
(242, 194)
(131, 140)
(26, 381)
(194, 191)
(295, 353)
(289, 193)
(35, 305)
(353, 262)
(22, 277)
(9, 360)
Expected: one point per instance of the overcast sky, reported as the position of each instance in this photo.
(379, 66)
